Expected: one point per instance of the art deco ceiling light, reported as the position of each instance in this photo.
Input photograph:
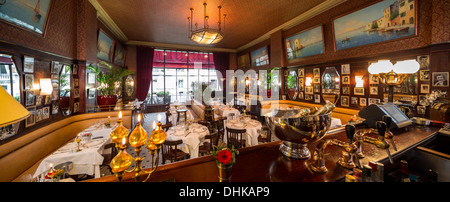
(205, 35)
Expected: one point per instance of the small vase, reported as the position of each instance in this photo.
(225, 172)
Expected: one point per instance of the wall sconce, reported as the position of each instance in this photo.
(359, 81)
(308, 81)
(393, 75)
(46, 86)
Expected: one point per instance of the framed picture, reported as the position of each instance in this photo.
(309, 90)
(363, 102)
(55, 108)
(424, 61)
(39, 99)
(306, 43)
(316, 72)
(28, 64)
(105, 46)
(316, 88)
(425, 88)
(74, 70)
(359, 91)
(440, 79)
(31, 119)
(301, 96)
(91, 93)
(48, 99)
(45, 113)
(301, 72)
(38, 116)
(56, 67)
(316, 80)
(346, 90)
(379, 22)
(75, 83)
(373, 79)
(421, 109)
(345, 100)
(374, 101)
(345, 69)
(119, 55)
(260, 57)
(29, 81)
(374, 90)
(345, 79)
(29, 97)
(76, 93)
(354, 101)
(301, 86)
(244, 61)
(76, 107)
(316, 98)
(424, 75)
(29, 15)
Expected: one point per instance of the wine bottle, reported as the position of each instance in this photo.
(367, 174)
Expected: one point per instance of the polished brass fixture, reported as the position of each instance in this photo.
(205, 35)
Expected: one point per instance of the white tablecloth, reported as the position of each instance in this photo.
(191, 138)
(225, 111)
(335, 123)
(253, 129)
(174, 114)
(87, 161)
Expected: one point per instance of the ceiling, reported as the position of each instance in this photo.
(165, 21)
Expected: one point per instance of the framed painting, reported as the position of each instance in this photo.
(382, 21)
(306, 43)
(119, 55)
(105, 46)
(244, 61)
(260, 57)
(31, 15)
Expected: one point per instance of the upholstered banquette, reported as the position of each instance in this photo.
(23, 155)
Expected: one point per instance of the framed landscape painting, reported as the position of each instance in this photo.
(383, 21)
(105, 46)
(119, 55)
(306, 43)
(260, 57)
(30, 15)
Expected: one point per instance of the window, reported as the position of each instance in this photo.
(9, 78)
(175, 72)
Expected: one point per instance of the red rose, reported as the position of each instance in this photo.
(224, 157)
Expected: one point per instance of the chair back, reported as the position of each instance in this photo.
(168, 114)
(66, 167)
(169, 150)
(181, 113)
(234, 137)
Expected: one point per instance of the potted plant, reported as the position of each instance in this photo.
(108, 82)
(165, 95)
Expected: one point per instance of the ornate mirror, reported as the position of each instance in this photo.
(330, 84)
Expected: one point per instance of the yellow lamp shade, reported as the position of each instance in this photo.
(121, 162)
(119, 133)
(138, 137)
(11, 111)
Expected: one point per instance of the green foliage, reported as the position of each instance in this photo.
(107, 80)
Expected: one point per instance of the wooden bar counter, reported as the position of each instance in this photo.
(265, 163)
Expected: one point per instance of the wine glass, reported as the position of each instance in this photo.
(78, 140)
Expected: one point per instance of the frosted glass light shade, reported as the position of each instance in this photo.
(406, 67)
(382, 66)
(46, 86)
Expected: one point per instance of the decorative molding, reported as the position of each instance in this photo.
(108, 21)
(326, 5)
(180, 46)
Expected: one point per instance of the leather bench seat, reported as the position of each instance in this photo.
(23, 155)
(344, 114)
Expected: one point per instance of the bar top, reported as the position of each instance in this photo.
(265, 163)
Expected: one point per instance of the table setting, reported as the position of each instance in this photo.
(253, 128)
(192, 135)
(85, 151)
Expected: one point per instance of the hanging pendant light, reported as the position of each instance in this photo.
(205, 35)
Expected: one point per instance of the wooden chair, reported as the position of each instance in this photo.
(220, 127)
(181, 112)
(168, 114)
(171, 152)
(265, 135)
(107, 158)
(207, 147)
(166, 126)
(234, 137)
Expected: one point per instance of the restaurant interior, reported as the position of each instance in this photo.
(224, 91)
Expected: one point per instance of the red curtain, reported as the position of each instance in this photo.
(144, 63)
(222, 63)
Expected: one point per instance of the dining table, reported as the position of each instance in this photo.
(192, 135)
(253, 129)
(225, 111)
(88, 160)
(174, 115)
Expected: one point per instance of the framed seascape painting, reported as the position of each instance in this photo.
(383, 21)
(105, 46)
(304, 44)
(119, 55)
(260, 57)
(30, 15)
